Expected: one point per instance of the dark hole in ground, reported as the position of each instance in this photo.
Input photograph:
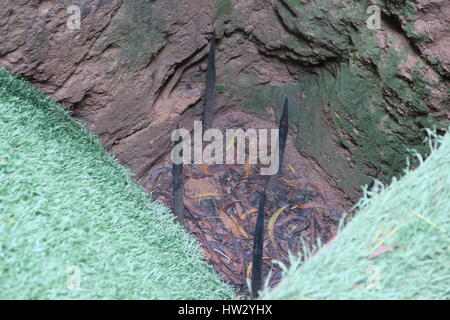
(221, 204)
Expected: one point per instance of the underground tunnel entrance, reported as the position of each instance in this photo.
(221, 202)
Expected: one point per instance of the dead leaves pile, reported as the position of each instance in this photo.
(221, 206)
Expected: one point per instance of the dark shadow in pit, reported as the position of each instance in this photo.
(221, 204)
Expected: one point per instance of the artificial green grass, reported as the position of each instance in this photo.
(69, 211)
(412, 214)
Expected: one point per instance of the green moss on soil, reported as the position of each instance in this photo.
(356, 113)
(140, 35)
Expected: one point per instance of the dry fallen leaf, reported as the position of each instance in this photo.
(204, 168)
(232, 225)
(223, 254)
(239, 227)
(192, 208)
(292, 229)
(272, 221)
(310, 205)
(381, 250)
(318, 188)
(207, 195)
(249, 269)
(431, 223)
(292, 169)
(288, 182)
